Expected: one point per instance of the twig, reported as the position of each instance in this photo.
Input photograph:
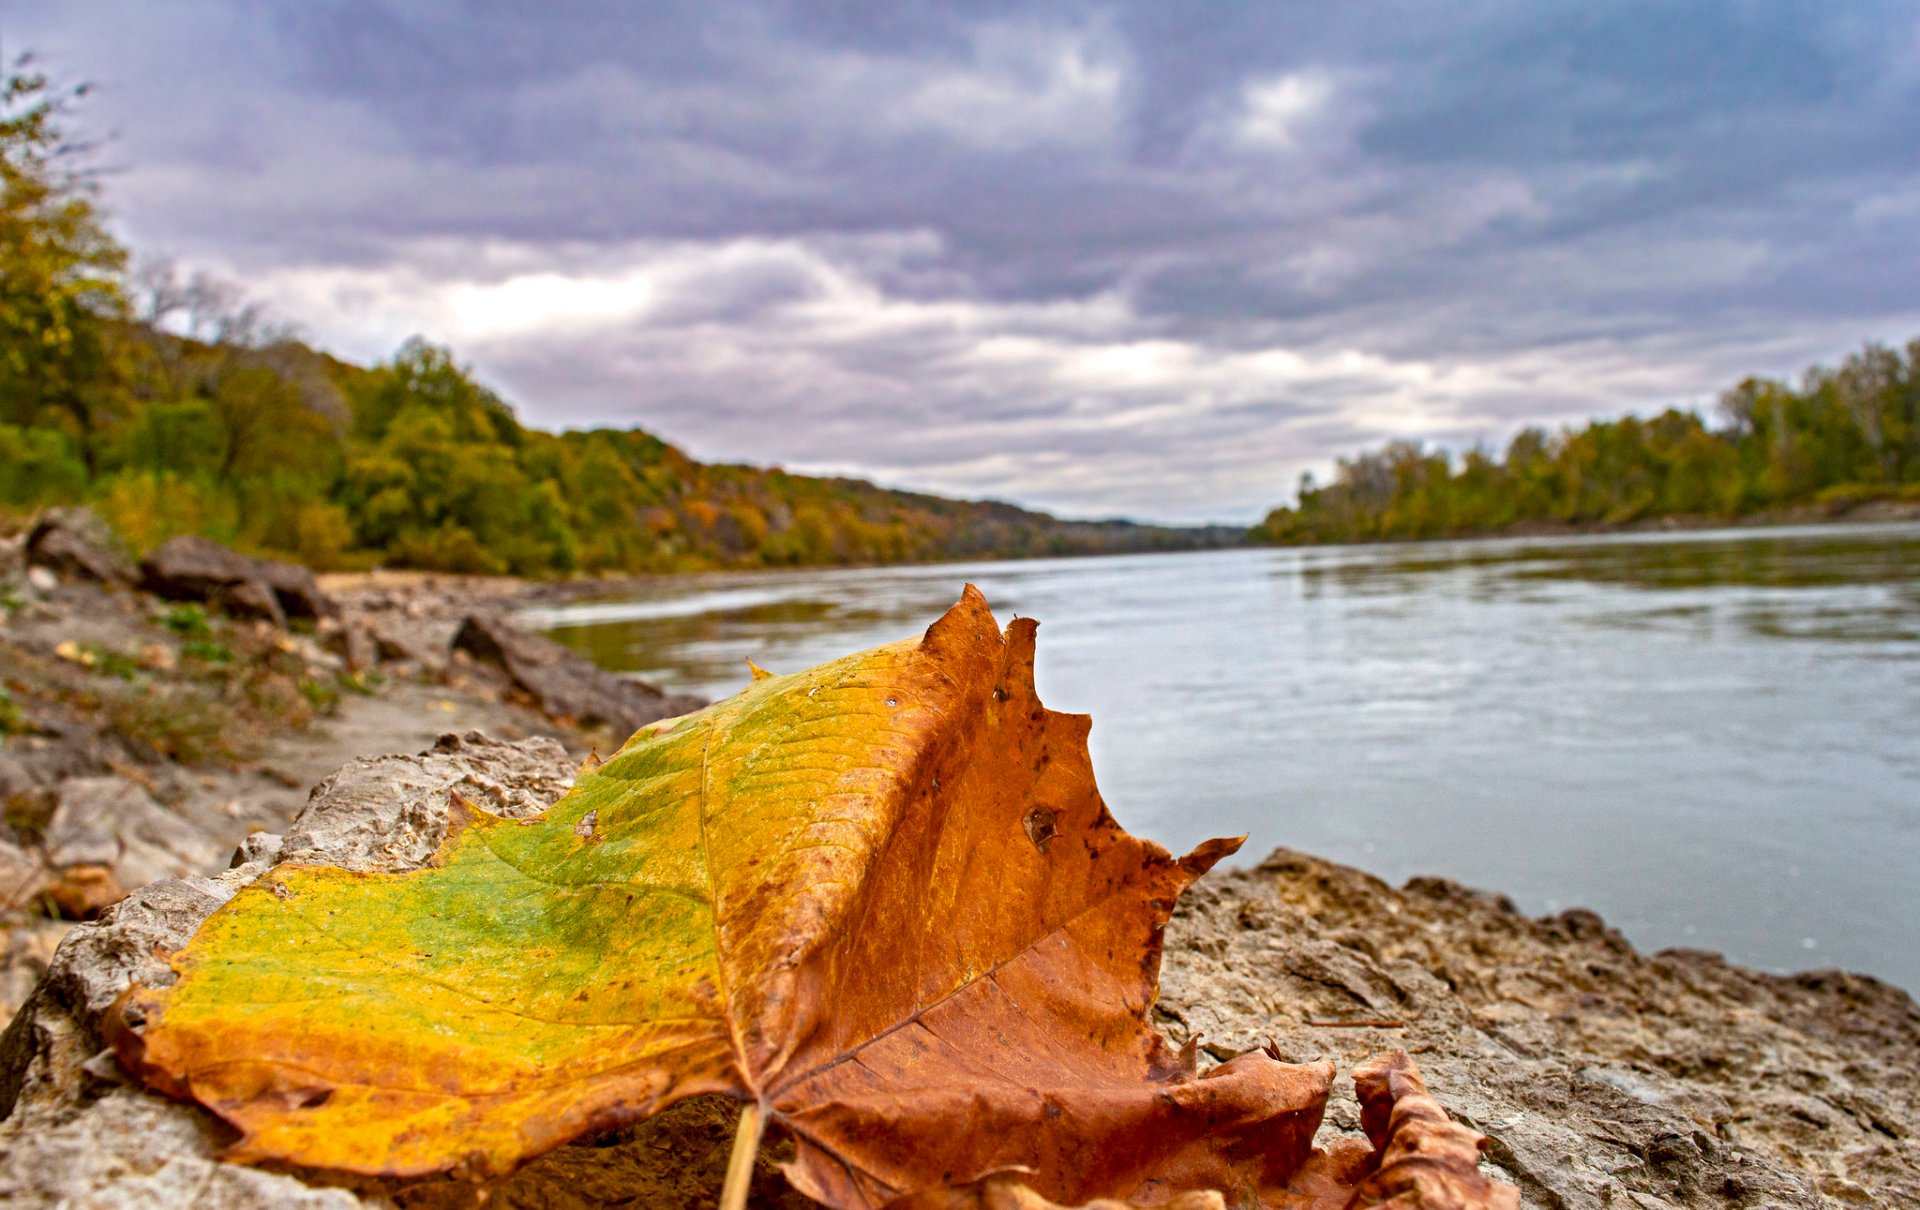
(746, 1147)
(1364, 1023)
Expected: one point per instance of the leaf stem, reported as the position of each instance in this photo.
(746, 1147)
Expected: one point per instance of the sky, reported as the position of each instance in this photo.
(1147, 259)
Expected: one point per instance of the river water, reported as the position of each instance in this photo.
(1712, 739)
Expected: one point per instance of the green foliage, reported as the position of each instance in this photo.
(1846, 437)
(182, 439)
(323, 696)
(187, 620)
(58, 267)
(108, 662)
(12, 720)
(210, 652)
(149, 506)
(39, 467)
(173, 723)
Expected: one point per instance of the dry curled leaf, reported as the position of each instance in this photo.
(1009, 1191)
(1421, 1157)
(881, 900)
(826, 894)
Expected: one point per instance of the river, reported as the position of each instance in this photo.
(1711, 738)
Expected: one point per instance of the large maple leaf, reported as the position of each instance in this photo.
(880, 900)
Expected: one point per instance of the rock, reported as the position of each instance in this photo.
(422, 643)
(313, 654)
(1604, 1077)
(248, 600)
(122, 1152)
(565, 684)
(192, 568)
(74, 542)
(112, 836)
(353, 642)
(390, 812)
(22, 876)
(299, 593)
(26, 951)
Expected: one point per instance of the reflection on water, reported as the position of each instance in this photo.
(1712, 738)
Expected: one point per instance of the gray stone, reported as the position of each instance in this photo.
(391, 812)
(565, 684)
(298, 591)
(74, 542)
(248, 600)
(114, 823)
(353, 642)
(22, 874)
(122, 1152)
(424, 643)
(192, 568)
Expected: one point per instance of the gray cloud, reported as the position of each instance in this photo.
(1136, 258)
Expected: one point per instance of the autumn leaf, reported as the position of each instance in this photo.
(881, 901)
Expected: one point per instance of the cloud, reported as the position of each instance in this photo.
(1273, 111)
(1096, 257)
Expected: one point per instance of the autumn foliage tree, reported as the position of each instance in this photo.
(58, 267)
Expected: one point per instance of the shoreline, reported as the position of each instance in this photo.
(1875, 512)
(515, 593)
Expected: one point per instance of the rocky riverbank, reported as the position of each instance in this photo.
(151, 742)
(155, 715)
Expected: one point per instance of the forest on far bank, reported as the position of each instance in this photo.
(171, 405)
(1843, 437)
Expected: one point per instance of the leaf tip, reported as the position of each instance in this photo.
(1209, 853)
(1016, 673)
(759, 674)
(970, 619)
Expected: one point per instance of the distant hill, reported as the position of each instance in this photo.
(279, 449)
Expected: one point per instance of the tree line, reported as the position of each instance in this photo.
(1843, 437)
(171, 406)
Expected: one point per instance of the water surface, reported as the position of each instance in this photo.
(1713, 739)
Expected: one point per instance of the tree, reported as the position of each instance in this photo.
(58, 269)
